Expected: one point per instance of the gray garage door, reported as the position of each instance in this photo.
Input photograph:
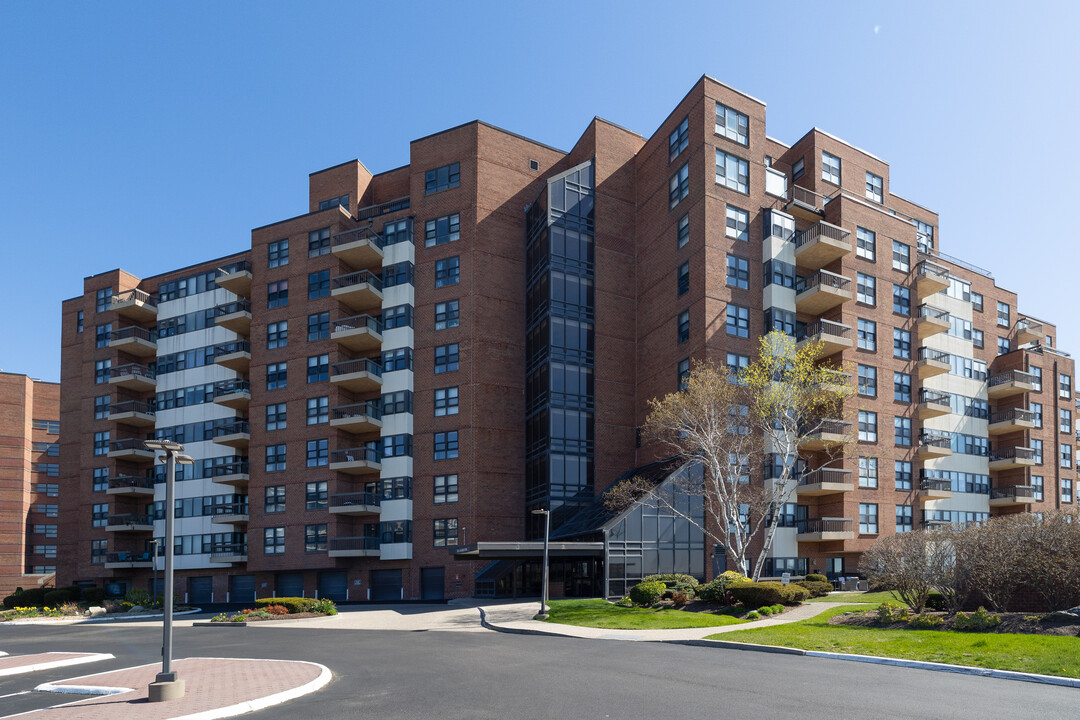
(200, 590)
(289, 584)
(432, 581)
(242, 588)
(332, 585)
(385, 584)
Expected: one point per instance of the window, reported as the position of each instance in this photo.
(1065, 420)
(318, 410)
(101, 442)
(901, 387)
(830, 168)
(447, 271)
(732, 124)
(275, 416)
(679, 139)
(874, 187)
(446, 489)
(99, 549)
(99, 516)
(275, 457)
(79, 321)
(397, 402)
(396, 446)
(868, 477)
(780, 320)
(278, 253)
(318, 326)
(1036, 378)
(318, 242)
(446, 401)
(443, 178)
(683, 324)
(274, 499)
(1003, 314)
(276, 376)
(738, 321)
(442, 230)
(682, 231)
(446, 315)
(277, 334)
(49, 531)
(682, 373)
(977, 301)
(1066, 456)
(867, 330)
(277, 294)
(867, 380)
(397, 231)
(902, 431)
(101, 335)
(446, 358)
(778, 272)
(318, 284)
(902, 471)
(1037, 487)
(736, 362)
(738, 224)
(1066, 490)
(446, 445)
(865, 243)
(1036, 411)
(315, 538)
(901, 256)
(446, 532)
(679, 186)
(901, 342)
(274, 541)
(868, 518)
(318, 368)
(101, 407)
(1002, 345)
(901, 300)
(50, 470)
(1037, 448)
(732, 172)
(102, 371)
(866, 287)
(977, 338)
(101, 479)
(738, 272)
(1064, 386)
(868, 425)
(340, 200)
(903, 518)
(104, 299)
(798, 169)
(318, 452)
(684, 278)
(315, 495)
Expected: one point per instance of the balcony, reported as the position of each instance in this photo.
(933, 362)
(228, 553)
(934, 445)
(134, 340)
(235, 434)
(136, 305)
(234, 355)
(229, 514)
(824, 529)
(932, 320)
(359, 249)
(234, 474)
(354, 547)
(827, 434)
(930, 278)
(805, 204)
(235, 316)
(362, 375)
(132, 412)
(824, 481)
(833, 336)
(836, 381)
(1011, 420)
(235, 394)
(358, 503)
(821, 244)
(360, 290)
(1012, 496)
(129, 523)
(359, 460)
(1029, 331)
(1008, 383)
(131, 486)
(934, 489)
(359, 333)
(236, 278)
(123, 560)
(133, 376)
(130, 449)
(358, 418)
(1011, 457)
(821, 291)
(934, 403)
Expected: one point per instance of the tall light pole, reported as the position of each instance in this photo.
(153, 558)
(167, 686)
(544, 588)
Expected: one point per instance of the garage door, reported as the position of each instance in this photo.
(289, 584)
(242, 588)
(431, 583)
(332, 585)
(385, 584)
(200, 590)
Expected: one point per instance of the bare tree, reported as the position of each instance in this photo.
(911, 564)
(1051, 551)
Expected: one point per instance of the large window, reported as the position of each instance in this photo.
(276, 376)
(874, 187)
(274, 499)
(103, 299)
(318, 284)
(738, 321)
(902, 431)
(101, 442)
(682, 232)
(397, 231)
(683, 324)
(274, 541)
(738, 272)
(903, 474)
(682, 373)
(318, 410)
(102, 371)
(443, 178)
(315, 495)
(901, 343)
(867, 380)
(275, 457)
(102, 334)
(868, 522)
(732, 124)
(446, 489)
(446, 315)
(830, 168)
(318, 368)
(865, 243)
(868, 425)
(447, 271)
(446, 401)
(1003, 314)
(442, 230)
(318, 452)
(277, 294)
(679, 139)
(867, 332)
(868, 472)
(318, 326)
(278, 253)
(315, 538)
(738, 222)
(446, 358)
(446, 532)
(866, 288)
(732, 172)
(277, 335)
(683, 278)
(99, 516)
(318, 242)
(901, 300)
(901, 256)
(679, 186)
(275, 416)
(901, 387)
(446, 445)
(903, 518)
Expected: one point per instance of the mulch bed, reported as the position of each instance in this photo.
(290, 616)
(1010, 623)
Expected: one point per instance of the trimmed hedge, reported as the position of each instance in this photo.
(94, 595)
(292, 604)
(34, 597)
(672, 580)
(817, 589)
(816, 577)
(756, 594)
(56, 598)
(647, 593)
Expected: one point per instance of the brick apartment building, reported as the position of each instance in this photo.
(386, 384)
(29, 481)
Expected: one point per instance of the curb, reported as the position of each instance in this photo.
(218, 624)
(731, 645)
(521, 631)
(325, 676)
(78, 621)
(87, 658)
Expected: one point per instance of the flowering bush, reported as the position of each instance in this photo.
(978, 620)
(891, 612)
(277, 610)
(925, 622)
(29, 612)
(326, 607)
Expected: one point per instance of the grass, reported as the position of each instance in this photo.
(599, 613)
(868, 597)
(1043, 654)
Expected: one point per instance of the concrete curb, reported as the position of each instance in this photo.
(520, 631)
(218, 624)
(88, 658)
(731, 645)
(82, 689)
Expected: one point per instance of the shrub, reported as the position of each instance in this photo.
(978, 620)
(756, 594)
(292, 604)
(220, 617)
(94, 595)
(70, 608)
(793, 594)
(765, 610)
(817, 577)
(647, 593)
(257, 614)
(925, 622)
(816, 588)
(56, 598)
(672, 580)
(625, 602)
(238, 618)
(936, 601)
(138, 596)
(325, 606)
(9, 601)
(891, 612)
(277, 609)
(680, 598)
(753, 615)
(777, 609)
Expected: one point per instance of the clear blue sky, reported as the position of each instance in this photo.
(153, 135)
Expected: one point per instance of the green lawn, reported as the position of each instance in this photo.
(1043, 654)
(598, 613)
(868, 597)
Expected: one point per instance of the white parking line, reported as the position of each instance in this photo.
(87, 658)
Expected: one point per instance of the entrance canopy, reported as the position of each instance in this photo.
(529, 549)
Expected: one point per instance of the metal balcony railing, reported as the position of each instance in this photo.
(351, 236)
(933, 313)
(370, 409)
(227, 387)
(127, 406)
(355, 498)
(228, 550)
(137, 295)
(935, 440)
(371, 211)
(233, 468)
(236, 346)
(935, 397)
(131, 481)
(359, 322)
(1011, 376)
(234, 267)
(119, 557)
(354, 543)
(134, 331)
(132, 370)
(128, 444)
(1011, 415)
(354, 366)
(130, 519)
(926, 353)
(369, 452)
(825, 328)
(818, 231)
(824, 525)
(232, 307)
(925, 268)
(357, 278)
(1010, 453)
(1013, 491)
(935, 485)
(232, 428)
(822, 278)
(825, 475)
(238, 508)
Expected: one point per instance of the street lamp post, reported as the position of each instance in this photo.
(167, 686)
(155, 543)
(544, 587)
